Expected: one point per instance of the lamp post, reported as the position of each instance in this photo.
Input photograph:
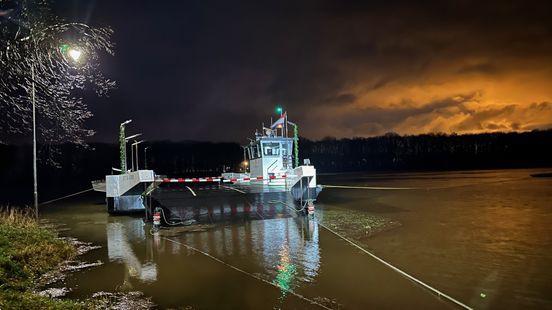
(74, 55)
(131, 150)
(146, 157)
(244, 163)
(135, 144)
(122, 145)
(35, 179)
(47, 71)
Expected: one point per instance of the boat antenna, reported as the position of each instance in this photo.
(286, 122)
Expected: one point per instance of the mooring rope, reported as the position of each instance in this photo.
(420, 282)
(422, 188)
(256, 211)
(367, 187)
(235, 189)
(191, 191)
(284, 203)
(184, 223)
(408, 276)
(311, 301)
(71, 195)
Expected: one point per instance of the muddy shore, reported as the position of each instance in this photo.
(52, 283)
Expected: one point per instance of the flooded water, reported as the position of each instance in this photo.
(483, 237)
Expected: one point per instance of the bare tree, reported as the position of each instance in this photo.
(42, 54)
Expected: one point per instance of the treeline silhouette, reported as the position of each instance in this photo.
(431, 151)
(72, 167)
(76, 166)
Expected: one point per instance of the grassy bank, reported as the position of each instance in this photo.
(27, 251)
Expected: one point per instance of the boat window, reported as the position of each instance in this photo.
(284, 148)
(254, 149)
(271, 149)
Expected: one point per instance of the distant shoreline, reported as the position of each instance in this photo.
(542, 175)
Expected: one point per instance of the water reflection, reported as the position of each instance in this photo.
(265, 241)
(285, 249)
(300, 237)
(259, 226)
(120, 236)
(286, 272)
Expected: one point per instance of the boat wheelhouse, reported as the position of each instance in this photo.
(270, 156)
(273, 160)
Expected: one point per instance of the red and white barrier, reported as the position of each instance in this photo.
(220, 179)
(191, 180)
(241, 180)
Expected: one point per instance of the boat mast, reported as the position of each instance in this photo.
(295, 142)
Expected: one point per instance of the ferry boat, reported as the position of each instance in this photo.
(274, 179)
(274, 185)
(273, 161)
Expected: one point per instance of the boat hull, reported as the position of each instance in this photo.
(209, 203)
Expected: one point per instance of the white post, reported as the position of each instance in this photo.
(137, 162)
(126, 160)
(146, 157)
(135, 153)
(132, 156)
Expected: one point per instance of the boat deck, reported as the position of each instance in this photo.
(209, 203)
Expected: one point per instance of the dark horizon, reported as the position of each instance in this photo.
(432, 152)
(244, 141)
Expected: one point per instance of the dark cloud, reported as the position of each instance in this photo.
(378, 120)
(340, 100)
(213, 70)
(484, 68)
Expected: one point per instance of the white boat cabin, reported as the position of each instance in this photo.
(270, 156)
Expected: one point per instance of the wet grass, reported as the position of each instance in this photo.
(27, 251)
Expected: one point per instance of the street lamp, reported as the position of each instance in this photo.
(45, 64)
(75, 54)
(146, 157)
(244, 163)
(125, 148)
(135, 144)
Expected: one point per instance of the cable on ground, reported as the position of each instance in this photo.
(408, 276)
(71, 195)
(185, 222)
(311, 301)
(368, 187)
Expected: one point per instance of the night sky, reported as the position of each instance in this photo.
(207, 70)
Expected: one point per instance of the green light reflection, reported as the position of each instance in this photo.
(286, 272)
